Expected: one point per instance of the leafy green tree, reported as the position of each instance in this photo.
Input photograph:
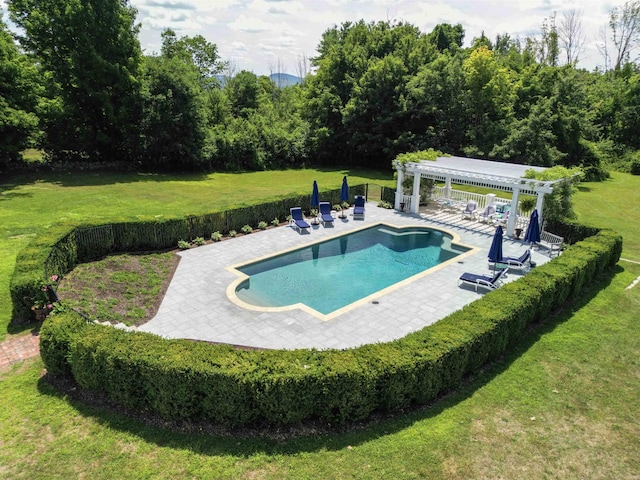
(243, 93)
(435, 103)
(197, 51)
(375, 114)
(345, 105)
(530, 140)
(489, 97)
(174, 120)
(89, 57)
(447, 37)
(18, 122)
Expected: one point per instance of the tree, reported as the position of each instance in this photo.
(548, 45)
(18, 121)
(625, 28)
(375, 114)
(350, 58)
(174, 121)
(489, 97)
(89, 57)
(242, 92)
(447, 37)
(571, 35)
(436, 105)
(196, 51)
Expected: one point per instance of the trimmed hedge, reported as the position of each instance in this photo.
(185, 379)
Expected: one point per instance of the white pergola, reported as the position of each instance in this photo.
(471, 171)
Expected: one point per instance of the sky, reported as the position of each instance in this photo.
(268, 36)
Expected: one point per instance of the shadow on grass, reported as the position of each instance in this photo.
(10, 195)
(15, 328)
(109, 177)
(208, 439)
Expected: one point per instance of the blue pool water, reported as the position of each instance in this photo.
(332, 274)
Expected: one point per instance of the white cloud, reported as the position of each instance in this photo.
(256, 33)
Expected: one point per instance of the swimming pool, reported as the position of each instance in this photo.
(330, 275)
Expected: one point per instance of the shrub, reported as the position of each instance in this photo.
(275, 222)
(199, 241)
(233, 233)
(216, 236)
(183, 245)
(262, 225)
(246, 229)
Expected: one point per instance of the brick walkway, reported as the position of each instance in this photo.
(18, 349)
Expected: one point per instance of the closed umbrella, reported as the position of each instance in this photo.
(344, 194)
(495, 252)
(315, 198)
(533, 229)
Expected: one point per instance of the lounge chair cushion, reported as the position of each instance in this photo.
(325, 213)
(358, 206)
(298, 220)
(486, 281)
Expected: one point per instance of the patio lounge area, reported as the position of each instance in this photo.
(196, 305)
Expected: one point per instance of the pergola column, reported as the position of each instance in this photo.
(415, 198)
(399, 192)
(513, 215)
(539, 203)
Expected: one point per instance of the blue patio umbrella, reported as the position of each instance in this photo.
(495, 252)
(315, 196)
(533, 229)
(344, 193)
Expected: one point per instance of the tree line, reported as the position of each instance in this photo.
(75, 84)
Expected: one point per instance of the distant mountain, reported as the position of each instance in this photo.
(280, 80)
(284, 79)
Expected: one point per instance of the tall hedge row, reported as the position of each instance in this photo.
(183, 379)
(60, 248)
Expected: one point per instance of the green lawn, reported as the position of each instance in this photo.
(564, 405)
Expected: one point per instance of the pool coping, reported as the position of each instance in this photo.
(233, 297)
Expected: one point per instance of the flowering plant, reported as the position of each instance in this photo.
(43, 303)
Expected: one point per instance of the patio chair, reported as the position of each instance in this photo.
(358, 206)
(470, 210)
(501, 218)
(484, 281)
(522, 263)
(488, 214)
(298, 220)
(325, 213)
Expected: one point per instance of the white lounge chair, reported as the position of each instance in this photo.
(470, 210)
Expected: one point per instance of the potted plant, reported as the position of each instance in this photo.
(43, 303)
(314, 214)
(344, 206)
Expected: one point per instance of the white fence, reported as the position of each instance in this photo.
(458, 199)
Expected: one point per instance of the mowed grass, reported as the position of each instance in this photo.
(562, 405)
(614, 203)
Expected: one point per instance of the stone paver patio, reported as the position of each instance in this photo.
(196, 305)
